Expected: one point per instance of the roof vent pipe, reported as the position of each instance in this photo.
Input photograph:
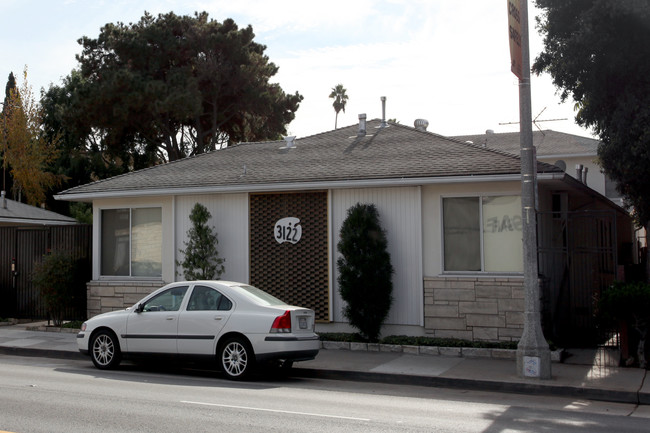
(584, 175)
(489, 131)
(579, 172)
(383, 111)
(362, 125)
(4, 200)
(421, 124)
(290, 141)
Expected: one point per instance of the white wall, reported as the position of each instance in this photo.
(400, 216)
(230, 221)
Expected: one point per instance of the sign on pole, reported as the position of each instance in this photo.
(514, 31)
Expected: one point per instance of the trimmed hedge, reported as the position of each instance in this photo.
(420, 341)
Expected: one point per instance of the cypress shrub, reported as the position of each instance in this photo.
(365, 271)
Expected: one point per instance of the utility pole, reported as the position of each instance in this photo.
(533, 354)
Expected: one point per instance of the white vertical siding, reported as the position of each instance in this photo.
(401, 217)
(230, 220)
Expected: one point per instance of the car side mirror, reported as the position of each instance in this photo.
(139, 308)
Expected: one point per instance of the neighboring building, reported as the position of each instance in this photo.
(14, 213)
(451, 210)
(573, 153)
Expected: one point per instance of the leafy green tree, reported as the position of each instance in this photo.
(597, 52)
(84, 154)
(172, 86)
(202, 261)
(365, 270)
(340, 100)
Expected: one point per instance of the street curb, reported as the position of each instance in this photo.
(476, 385)
(46, 353)
(406, 379)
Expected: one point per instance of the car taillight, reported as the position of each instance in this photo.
(282, 324)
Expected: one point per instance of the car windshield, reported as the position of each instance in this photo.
(260, 296)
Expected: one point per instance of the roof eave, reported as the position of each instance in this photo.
(293, 186)
(36, 221)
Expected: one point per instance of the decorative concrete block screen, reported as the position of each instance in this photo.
(289, 248)
(489, 309)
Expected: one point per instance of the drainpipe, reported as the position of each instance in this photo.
(579, 172)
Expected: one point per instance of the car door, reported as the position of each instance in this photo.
(153, 326)
(207, 311)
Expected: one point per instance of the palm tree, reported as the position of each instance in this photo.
(340, 99)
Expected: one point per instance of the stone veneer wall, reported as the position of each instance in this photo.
(105, 296)
(474, 308)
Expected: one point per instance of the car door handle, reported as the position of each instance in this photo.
(169, 318)
(217, 317)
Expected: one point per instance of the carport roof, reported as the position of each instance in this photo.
(339, 157)
(16, 214)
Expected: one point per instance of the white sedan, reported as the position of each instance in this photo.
(237, 324)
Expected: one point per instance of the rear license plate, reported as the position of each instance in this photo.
(302, 322)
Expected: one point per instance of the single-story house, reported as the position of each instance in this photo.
(576, 155)
(451, 210)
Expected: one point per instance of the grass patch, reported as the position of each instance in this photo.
(73, 324)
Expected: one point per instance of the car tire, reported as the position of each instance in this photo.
(236, 358)
(105, 350)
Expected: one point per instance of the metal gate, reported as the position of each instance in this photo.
(577, 260)
(21, 248)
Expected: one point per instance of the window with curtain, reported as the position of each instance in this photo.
(482, 234)
(131, 242)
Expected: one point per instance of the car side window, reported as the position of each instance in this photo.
(207, 299)
(169, 300)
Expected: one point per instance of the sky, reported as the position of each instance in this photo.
(446, 61)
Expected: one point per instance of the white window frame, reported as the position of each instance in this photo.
(480, 196)
(101, 246)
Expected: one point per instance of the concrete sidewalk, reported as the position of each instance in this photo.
(584, 376)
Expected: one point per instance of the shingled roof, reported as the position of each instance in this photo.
(548, 143)
(17, 213)
(393, 152)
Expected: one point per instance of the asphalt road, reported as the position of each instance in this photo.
(53, 395)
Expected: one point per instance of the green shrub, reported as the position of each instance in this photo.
(58, 278)
(365, 271)
(201, 261)
(629, 303)
(404, 340)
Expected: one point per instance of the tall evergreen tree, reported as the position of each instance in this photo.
(365, 270)
(172, 86)
(10, 88)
